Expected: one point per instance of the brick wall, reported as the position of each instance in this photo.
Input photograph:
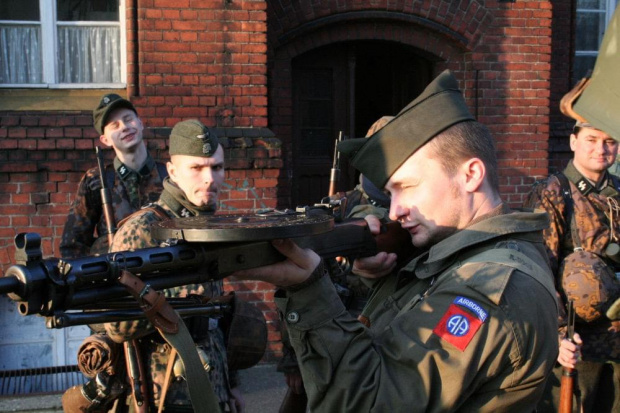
(499, 51)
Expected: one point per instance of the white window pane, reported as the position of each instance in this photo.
(87, 10)
(25, 10)
(590, 29)
(20, 54)
(89, 54)
(581, 66)
(592, 4)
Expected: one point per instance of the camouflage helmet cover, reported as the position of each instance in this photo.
(589, 283)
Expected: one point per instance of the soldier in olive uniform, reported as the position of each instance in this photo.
(467, 325)
(362, 200)
(196, 174)
(134, 179)
(584, 223)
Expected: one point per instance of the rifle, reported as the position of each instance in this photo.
(135, 367)
(106, 200)
(568, 374)
(334, 176)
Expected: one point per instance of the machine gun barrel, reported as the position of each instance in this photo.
(48, 286)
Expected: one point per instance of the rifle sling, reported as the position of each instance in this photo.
(172, 328)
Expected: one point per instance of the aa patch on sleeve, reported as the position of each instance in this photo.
(459, 326)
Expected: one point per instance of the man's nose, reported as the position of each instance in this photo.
(396, 211)
(207, 175)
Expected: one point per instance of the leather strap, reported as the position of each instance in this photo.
(159, 312)
(175, 332)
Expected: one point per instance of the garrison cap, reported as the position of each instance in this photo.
(438, 107)
(191, 137)
(106, 105)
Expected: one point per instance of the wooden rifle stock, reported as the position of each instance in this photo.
(334, 176)
(106, 200)
(568, 374)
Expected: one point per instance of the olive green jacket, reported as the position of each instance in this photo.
(456, 331)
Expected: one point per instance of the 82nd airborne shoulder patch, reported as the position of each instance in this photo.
(458, 326)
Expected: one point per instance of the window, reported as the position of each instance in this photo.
(62, 43)
(593, 16)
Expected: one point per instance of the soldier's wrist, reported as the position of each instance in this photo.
(319, 272)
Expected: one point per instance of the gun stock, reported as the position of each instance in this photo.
(568, 374)
(334, 175)
(106, 200)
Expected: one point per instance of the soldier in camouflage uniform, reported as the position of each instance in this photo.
(592, 188)
(134, 179)
(196, 174)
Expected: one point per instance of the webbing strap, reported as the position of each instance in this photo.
(201, 391)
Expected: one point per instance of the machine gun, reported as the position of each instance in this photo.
(85, 290)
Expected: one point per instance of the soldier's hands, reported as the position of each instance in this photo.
(236, 403)
(297, 267)
(570, 352)
(295, 382)
(381, 264)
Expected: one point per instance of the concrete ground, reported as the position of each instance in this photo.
(262, 386)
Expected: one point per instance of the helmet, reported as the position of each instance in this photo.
(590, 283)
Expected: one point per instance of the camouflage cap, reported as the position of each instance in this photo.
(107, 104)
(191, 137)
(440, 106)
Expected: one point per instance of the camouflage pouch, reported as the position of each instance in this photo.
(245, 332)
(590, 283)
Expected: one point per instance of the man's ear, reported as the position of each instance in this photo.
(171, 170)
(573, 142)
(474, 173)
(105, 140)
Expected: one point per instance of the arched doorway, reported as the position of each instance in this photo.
(346, 87)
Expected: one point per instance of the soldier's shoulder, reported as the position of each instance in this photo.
(135, 231)
(92, 173)
(143, 217)
(550, 181)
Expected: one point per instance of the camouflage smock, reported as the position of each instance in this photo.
(130, 190)
(135, 234)
(602, 337)
(406, 360)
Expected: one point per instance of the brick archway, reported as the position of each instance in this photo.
(443, 47)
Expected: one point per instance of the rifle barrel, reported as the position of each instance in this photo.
(69, 319)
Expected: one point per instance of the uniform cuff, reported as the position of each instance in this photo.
(309, 307)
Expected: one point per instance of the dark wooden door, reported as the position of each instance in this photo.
(345, 87)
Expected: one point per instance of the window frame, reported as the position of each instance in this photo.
(49, 45)
(610, 8)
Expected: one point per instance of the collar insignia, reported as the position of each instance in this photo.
(584, 186)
